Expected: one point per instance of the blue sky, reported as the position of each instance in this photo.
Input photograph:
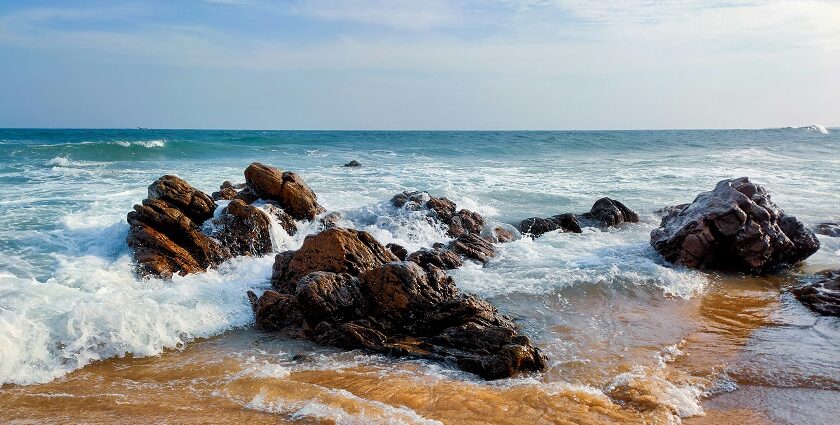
(400, 64)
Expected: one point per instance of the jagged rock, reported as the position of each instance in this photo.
(609, 212)
(439, 257)
(334, 250)
(285, 221)
(164, 231)
(286, 188)
(829, 229)
(733, 227)
(224, 194)
(331, 220)
(399, 251)
(353, 163)
(391, 307)
(243, 229)
(823, 294)
(536, 226)
(473, 247)
(443, 210)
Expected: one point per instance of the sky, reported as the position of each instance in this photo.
(431, 64)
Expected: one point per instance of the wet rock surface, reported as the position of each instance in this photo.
(458, 222)
(829, 229)
(473, 247)
(608, 212)
(164, 230)
(353, 163)
(342, 288)
(604, 213)
(286, 188)
(537, 226)
(439, 257)
(822, 293)
(243, 229)
(735, 227)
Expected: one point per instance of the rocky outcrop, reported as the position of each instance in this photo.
(353, 163)
(227, 191)
(286, 188)
(342, 288)
(439, 257)
(502, 235)
(164, 230)
(822, 293)
(829, 229)
(398, 250)
(734, 227)
(605, 212)
(473, 247)
(443, 210)
(243, 229)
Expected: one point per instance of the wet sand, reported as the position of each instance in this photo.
(742, 349)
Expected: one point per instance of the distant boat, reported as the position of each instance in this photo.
(142, 128)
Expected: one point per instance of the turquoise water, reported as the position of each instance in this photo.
(67, 295)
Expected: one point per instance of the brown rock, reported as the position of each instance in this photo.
(439, 257)
(164, 231)
(473, 247)
(398, 250)
(503, 235)
(285, 221)
(733, 227)
(244, 229)
(334, 250)
(286, 188)
(443, 210)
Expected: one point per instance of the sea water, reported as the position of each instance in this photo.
(615, 320)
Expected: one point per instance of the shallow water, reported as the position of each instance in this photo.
(629, 339)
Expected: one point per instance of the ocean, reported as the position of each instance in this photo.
(629, 338)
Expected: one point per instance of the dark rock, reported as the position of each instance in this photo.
(244, 230)
(473, 247)
(396, 308)
(224, 193)
(334, 250)
(248, 195)
(734, 227)
(399, 251)
(822, 294)
(829, 229)
(164, 231)
(331, 220)
(353, 163)
(609, 212)
(286, 188)
(443, 210)
(439, 257)
(536, 226)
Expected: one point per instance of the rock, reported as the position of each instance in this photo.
(353, 163)
(285, 221)
(503, 235)
(443, 210)
(248, 195)
(286, 188)
(609, 212)
(823, 294)
(398, 250)
(243, 229)
(331, 220)
(473, 247)
(439, 257)
(164, 230)
(334, 250)
(396, 308)
(225, 193)
(536, 226)
(670, 209)
(735, 227)
(829, 229)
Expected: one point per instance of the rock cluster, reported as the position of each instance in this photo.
(443, 210)
(822, 294)
(167, 232)
(605, 212)
(829, 229)
(342, 288)
(734, 227)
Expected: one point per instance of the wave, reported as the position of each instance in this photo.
(810, 128)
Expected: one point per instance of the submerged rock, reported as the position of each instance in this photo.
(439, 257)
(473, 247)
(343, 288)
(443, 210)
(353, 163)
(605, 212)
(829, 229)
(609, 212)
(536, 226)
(164, 230)
(734, 227)
(286, 188)
(823, 294)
